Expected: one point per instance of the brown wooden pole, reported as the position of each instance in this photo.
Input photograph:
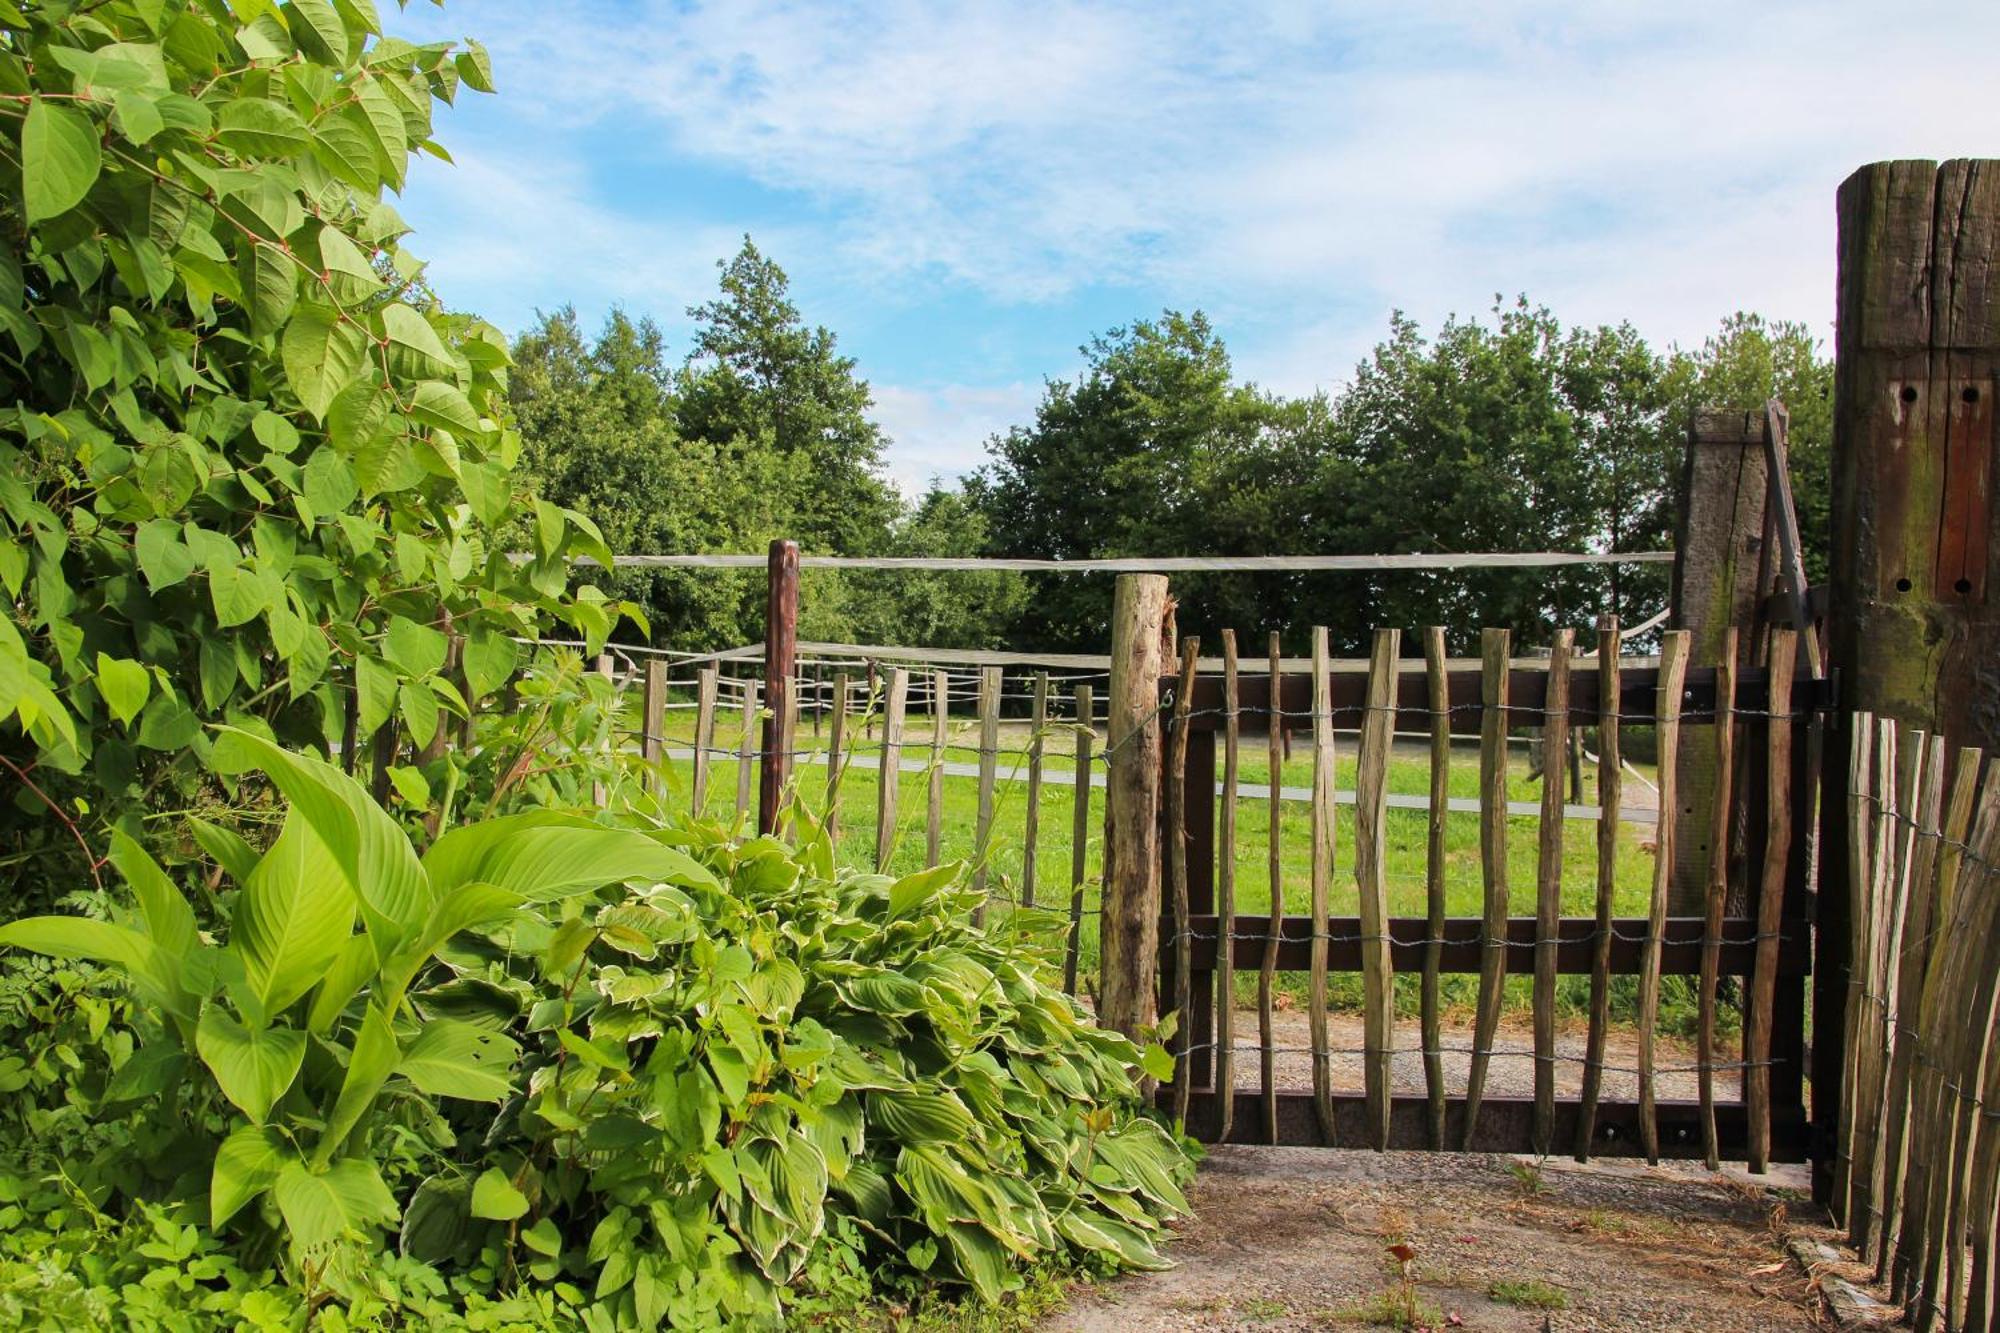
(1129, 930)
(781, 651)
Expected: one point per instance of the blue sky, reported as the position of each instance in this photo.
(965, 193)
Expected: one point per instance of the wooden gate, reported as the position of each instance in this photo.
(1757, 926)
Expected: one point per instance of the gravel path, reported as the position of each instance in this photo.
(1297, 1238)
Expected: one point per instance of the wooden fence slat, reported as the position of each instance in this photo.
(1031, 829)
(1438, 693)
(1371, 811)
(704, 736)
(1860, 756)
(1225, 903)
(1971, 1188)
(1942, 1016)
(1079, 834)
(1899, 842)
(1610, 791)
(653, 718)
(1919, 903)
(1322, 875)
(836, 757)
(746, 749)
(934, 803)
(889, 784)
(1866, 1209)
(1667, 718)
(1548, 885)
(989, 764)
(1174, 798)
(1494, 647)
(1770, 895)
(1721, 822)
(1267, 1052)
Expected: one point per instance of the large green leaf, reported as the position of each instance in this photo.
(245, 1166)
(489, 659)
(323, 354)
(169, 919)
(321, 1207)
(922, 1116)
(154, 975)
(366, 842)
(124, 685)
(453, 1059)
(543, 855)
(418, 649)
(496, 1197)
(253, 1067)
(410, 332)
(368, 1068)
(59, 159)
(295, 913)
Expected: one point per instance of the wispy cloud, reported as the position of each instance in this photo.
(1297, 169)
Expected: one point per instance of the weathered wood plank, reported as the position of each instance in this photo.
(1130, 925)
(704, 737)
(989, 770)
(1722, 813)
(781, 652)
(934, 795)
(1371, 810)
(1175, 799)
(746, 747)
(1859, 824)
(1079, 833)
(1673, 667)
(1322, 875)
(1493, 726)
(653, 716)
(1431, 1014)
(1610, 792)
(1268, 968)
(1225, 901)
(1038, 723)
(1548, 885)
(1865, 1211)
(889, 782)
(836, 756)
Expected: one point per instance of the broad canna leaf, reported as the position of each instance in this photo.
(295, 914)
(369, 1065)
(347, 1199)
(169, 919)
(245, 1166)
(253, 1067)
(448, 1058)
(154, 976)
(543, 856)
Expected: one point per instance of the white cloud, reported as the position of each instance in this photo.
(939, 432)
(1298, 169)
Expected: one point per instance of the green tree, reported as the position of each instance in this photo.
(757, 378)
(940, 609)
(251, 473)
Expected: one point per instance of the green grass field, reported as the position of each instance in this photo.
(1409, 773)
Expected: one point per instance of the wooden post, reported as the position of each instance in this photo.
(1493, 725)
(1912, 626)
(1130, 926)
(889, 780)
(1031, 832)
(1225, 900)
(989, 767)
(704, 736)
(746, 753)
(1548, 887)
(1274, 927)
(1079, 835)
(1371, 835)
(836, 758)
(1437, 693)
(1323, 841)
(1722, 810)
(1610, 798)
(1667, 718)
(934, 786)
(781, 651)
(1174, 796)
(1719, 561)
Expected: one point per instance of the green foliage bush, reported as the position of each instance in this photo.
(629, 1075)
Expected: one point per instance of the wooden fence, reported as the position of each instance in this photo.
(1767, 943)
(1917, 1161)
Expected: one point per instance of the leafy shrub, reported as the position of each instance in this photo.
(627, 1075)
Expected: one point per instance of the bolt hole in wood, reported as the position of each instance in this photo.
(1902, 585)
(1962, 587)
(1969, 394)
(1909, 393)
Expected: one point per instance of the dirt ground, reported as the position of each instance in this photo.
(1298, 1238)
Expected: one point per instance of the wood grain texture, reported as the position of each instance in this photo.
(1610, 792)
(653, 715)
(1493, 727)
(1274, 852)
(1225, 888)
(889, 784)
(781, 652)
(1430, 1010)
(1038, 723)
(1130, 925)
(1666, 709)
(1371, 811)
(934, 770)
(1722, 819)
(746, 748)
(1174, 803)
(1079, 832)
(1322, 876)
(704, 737)
(989, 771)
(1548, 885)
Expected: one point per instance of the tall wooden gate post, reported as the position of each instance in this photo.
(1719, 559)
(1912, 628)
(781, 651)
(1129, 929)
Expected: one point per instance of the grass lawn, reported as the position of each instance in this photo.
(1409, 773)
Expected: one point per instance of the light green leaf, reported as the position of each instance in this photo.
(375, 682)
(260, 127)
(543, 855)
(384, 121)
(418, 649)
(294, 915)
(136, 116)
(316, 22)
(495, 1197)
(59, 159)
(225, 847)
(167, 724)
(329, 481)
(454, 1059)
(475, 67)
(410, 784)
(124, 685)
(322, 354)
(489, 660)
(254, 1068)
(169, 919)
(410, 331)
(246, 1165)
(344, 146)
(436, 403)
(323, 1207)
(419, 708)
(152, 973)
(368, 1068)
(270, 286)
